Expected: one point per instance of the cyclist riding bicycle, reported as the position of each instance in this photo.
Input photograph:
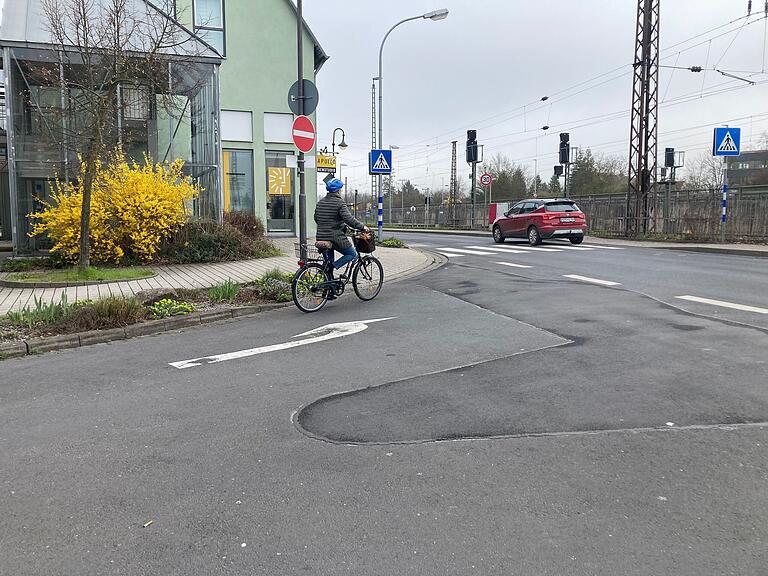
(331, 215)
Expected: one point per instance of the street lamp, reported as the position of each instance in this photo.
(343, 144)
(435, 15)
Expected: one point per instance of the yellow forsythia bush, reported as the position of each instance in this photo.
(133, 209)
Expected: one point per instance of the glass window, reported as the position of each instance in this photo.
(238, 181)
(528, 207)
(515, 209)
(280, 188)
(209, 22)
(562, 207)
(213, 37)
(209, 13)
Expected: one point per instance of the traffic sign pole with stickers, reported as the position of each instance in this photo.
(380, 163)
(726, 142)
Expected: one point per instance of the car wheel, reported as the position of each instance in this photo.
(576, 239)
(498, 237)
(534, 238)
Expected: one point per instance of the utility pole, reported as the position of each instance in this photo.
(373, 143)
(644, 128)
(453, 182)
(300, 160)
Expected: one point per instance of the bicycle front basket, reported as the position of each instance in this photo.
(365, 243)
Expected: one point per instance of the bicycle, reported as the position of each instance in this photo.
(312, 285)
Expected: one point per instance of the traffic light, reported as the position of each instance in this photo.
(558, 170)
(471, 146)
(669, 157)
(565, 148)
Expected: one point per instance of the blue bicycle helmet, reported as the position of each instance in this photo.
(334, 185)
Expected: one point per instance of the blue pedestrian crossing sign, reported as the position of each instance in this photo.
(380, 162)
(727, 142)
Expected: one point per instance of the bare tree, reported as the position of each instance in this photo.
(705, 171)
(102, 46)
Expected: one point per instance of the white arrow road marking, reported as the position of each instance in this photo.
(723, 304)
(321, 334)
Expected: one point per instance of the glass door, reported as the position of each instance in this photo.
(238, 181)
(280, 193)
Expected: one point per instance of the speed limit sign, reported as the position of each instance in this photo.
(486, 179)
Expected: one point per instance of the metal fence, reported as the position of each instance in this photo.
(690, 215)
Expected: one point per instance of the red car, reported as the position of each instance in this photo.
(539, 220)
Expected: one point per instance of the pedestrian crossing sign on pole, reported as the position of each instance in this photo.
(727, 142)
(380, 162)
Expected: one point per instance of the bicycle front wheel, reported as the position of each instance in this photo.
(368, 278)
(307, 289)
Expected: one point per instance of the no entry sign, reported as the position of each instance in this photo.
(303, 134)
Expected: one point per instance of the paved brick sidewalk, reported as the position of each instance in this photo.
(396, 263)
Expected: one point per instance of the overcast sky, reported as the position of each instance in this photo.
(490, 58)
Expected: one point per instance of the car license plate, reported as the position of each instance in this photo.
(567, 219)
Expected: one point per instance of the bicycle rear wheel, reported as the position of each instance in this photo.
(306, 288)
(368, 278)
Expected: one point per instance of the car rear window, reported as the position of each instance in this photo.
(561, 207)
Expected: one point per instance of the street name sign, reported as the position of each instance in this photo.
(727, 142)
(380, 162)
(303, 132)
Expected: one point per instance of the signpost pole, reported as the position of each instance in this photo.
(300, 160)
(725, 200)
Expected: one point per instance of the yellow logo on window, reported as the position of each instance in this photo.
(279, 181)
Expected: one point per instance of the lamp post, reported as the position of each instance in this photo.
(342, 145)
(434, 15)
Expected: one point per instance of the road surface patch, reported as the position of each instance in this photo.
(724, 304)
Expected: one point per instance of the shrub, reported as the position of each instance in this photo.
(246, 222)
(392, 243)
(166, 308)
(21, 264)
(224, 292)
(133, 208)
(277, 274)
(274, 285)
(272, 289)
(110, 312)
(207, 241)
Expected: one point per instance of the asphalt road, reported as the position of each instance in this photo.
(501, 420)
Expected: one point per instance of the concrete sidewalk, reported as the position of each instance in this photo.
(737, 249)
(396, 262)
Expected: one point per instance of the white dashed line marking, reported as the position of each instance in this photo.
(513, 265)
(723, 304)
(494, 249)
(462, 251)
(591, 280)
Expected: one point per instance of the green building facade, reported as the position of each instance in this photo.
(258, 41)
